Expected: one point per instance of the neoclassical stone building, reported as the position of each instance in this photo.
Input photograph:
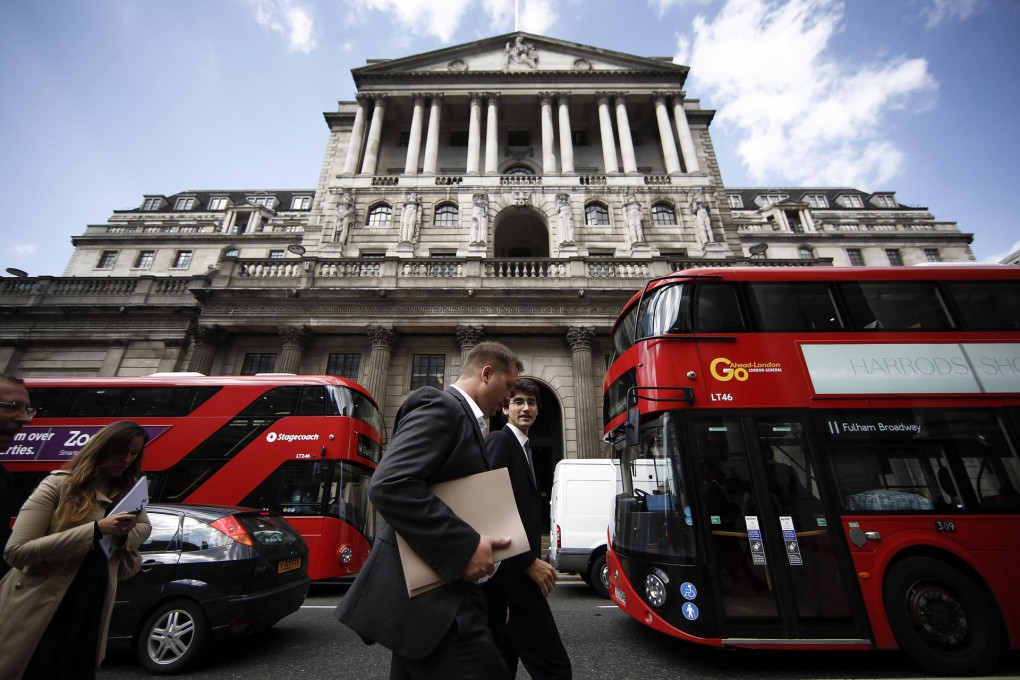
(517, 188)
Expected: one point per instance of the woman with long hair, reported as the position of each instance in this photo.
(56, 601)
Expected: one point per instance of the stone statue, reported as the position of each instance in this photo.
(520, 52)
(410, 217)
(702, 221)
(632, 217)
(479, 219)
(564, 220)
(344, 217)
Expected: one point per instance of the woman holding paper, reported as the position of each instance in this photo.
(55, 603)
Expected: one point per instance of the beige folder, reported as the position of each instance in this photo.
(486, 502)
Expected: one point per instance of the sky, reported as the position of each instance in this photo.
(103, 101)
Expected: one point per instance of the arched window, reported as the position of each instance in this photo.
(380, 215)
(663, 213)
(518, 170)
(595, 214)
(447, 214)
(806, 252)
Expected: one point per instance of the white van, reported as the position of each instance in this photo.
(580, 511)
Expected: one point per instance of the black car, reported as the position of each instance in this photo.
(207, 571)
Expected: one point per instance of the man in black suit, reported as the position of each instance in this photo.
(523, 582)
(437, 436)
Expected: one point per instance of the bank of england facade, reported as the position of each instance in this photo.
(517, 188)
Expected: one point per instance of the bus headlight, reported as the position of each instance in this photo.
(655, 587)
(346, 554)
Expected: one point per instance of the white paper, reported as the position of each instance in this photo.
(135, 499)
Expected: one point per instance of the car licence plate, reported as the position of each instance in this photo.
(288, 565)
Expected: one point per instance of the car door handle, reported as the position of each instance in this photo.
(147, 565)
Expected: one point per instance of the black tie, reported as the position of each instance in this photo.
(531, 462)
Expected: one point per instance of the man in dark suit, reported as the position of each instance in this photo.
(523, 582)
(437, 436)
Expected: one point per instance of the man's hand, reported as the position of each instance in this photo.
(481, 563)
(543, 574)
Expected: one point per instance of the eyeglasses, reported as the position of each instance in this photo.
(519, 403)
(18, 406)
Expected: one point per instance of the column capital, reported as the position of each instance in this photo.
(660, 97)
(210, 335)
(562, 97)
(419, 98)
(363, 98)
(580, 338)
(296, 335)
(546, 97)
(602, 98)
(380, 98)
(382, 337)
(619, 97)
(469, 336)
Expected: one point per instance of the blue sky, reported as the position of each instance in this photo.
(106, 100)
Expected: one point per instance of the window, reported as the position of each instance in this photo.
(404, 138)
(344, 365)
(182, 259)
(380, 215)
(771, 199)
(663, 214)
(885, 201)
(254, 363)
(895, 305)
(218, 203)
(518, 170)
(447, 214)
(458, 138)
(144, 259)
(231, 252)
(895, 259)
(579, 137)
(806, 252)
(151, 204)
(276, 254)
(184, 204)
(735, 201)
(853, 201)
(428, 370)
(855, 256)
(106, 259)
(264, 201)
(932, 255)
(596, 214)
(790, 307)
(301, 203)
(817, 200)
(518, 138)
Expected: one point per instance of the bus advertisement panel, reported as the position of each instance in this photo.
(838, 453)
(304, 446)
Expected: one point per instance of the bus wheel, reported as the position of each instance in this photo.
(941, 618)
(599, 575)
(173, 637)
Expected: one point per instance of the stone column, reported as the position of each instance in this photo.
(626, 142)
(684, 133)
(566, 140)
(172, 350)
(666, 134)
(114, 355)
(588, 438)
(368, 166)
(606, 127)
(432, 139)
(381, 340)
(11, 352)
(474, 134)
(492, 136)
(548, 134)
(414, 139)
(357, 137)
(468, 337)
(294, 340)
(207, 340)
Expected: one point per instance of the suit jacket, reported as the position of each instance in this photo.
(503, 449)
(436, 438)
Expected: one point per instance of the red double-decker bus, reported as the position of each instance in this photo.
(836, 460)
(302, 445)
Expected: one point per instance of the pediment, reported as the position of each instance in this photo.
(519, 53)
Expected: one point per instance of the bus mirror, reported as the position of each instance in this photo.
(633, 429)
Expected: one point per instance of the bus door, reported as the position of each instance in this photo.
(782, 573)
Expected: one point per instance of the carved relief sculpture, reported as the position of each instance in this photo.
(520, 52)
(479, 219)
(632, 218)
(410, 218)
(702, 221)
(344, 217)
(564, 220)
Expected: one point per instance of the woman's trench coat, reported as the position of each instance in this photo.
(43, 564)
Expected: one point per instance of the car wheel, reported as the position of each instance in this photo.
(942, 620)
(599, 575)
(173, 637)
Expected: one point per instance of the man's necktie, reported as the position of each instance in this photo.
(531, 462)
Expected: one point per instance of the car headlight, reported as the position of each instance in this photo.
(655, 587)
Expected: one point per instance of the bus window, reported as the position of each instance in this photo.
(294, 488)
(717, 309)
(279, 401)
(348, 498)
(986, 305)
(51, 402)
(96, 402)
(149, 402)
(666, 310)
(786, 307)
(315, 401)
(895, 305)
(623, 334)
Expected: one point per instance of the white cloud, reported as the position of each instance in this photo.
(938, 11)
(661, 7)
(437, 18)
(24, 249)
(803, 116)
(995, 258)
(537, 16)
(287, 18)
(442, 19)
